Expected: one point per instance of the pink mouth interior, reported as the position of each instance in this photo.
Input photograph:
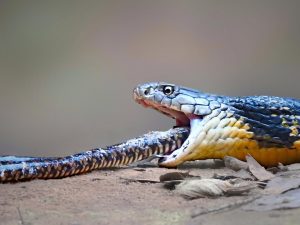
(182, 120)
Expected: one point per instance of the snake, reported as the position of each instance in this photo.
(265, 127)
(207, 126)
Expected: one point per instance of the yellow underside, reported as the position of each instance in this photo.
(242, 147)
(231, 137)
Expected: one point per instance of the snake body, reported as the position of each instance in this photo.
(26, 168)
(266, 127)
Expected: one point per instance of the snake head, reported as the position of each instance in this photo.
(180, 103)
(187, 106)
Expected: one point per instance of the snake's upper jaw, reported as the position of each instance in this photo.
(182, 119)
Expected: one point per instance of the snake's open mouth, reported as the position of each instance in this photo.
(182, 120)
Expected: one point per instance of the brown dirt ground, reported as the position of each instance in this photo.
(106, 197)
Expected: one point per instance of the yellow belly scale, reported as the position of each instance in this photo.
(231, 137)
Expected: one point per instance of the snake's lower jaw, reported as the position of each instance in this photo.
(169, 161)
(187, 149)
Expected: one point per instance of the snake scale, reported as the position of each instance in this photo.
(14, 168)
(207, 126)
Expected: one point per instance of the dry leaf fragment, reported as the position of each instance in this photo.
(192, 189)
(173, 178)
(257, 170)
(292, 167)
(235, 164)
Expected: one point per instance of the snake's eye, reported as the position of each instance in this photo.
(168, 90)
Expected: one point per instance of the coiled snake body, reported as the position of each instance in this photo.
(265, 127)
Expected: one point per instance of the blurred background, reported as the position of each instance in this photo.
(67, 68)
